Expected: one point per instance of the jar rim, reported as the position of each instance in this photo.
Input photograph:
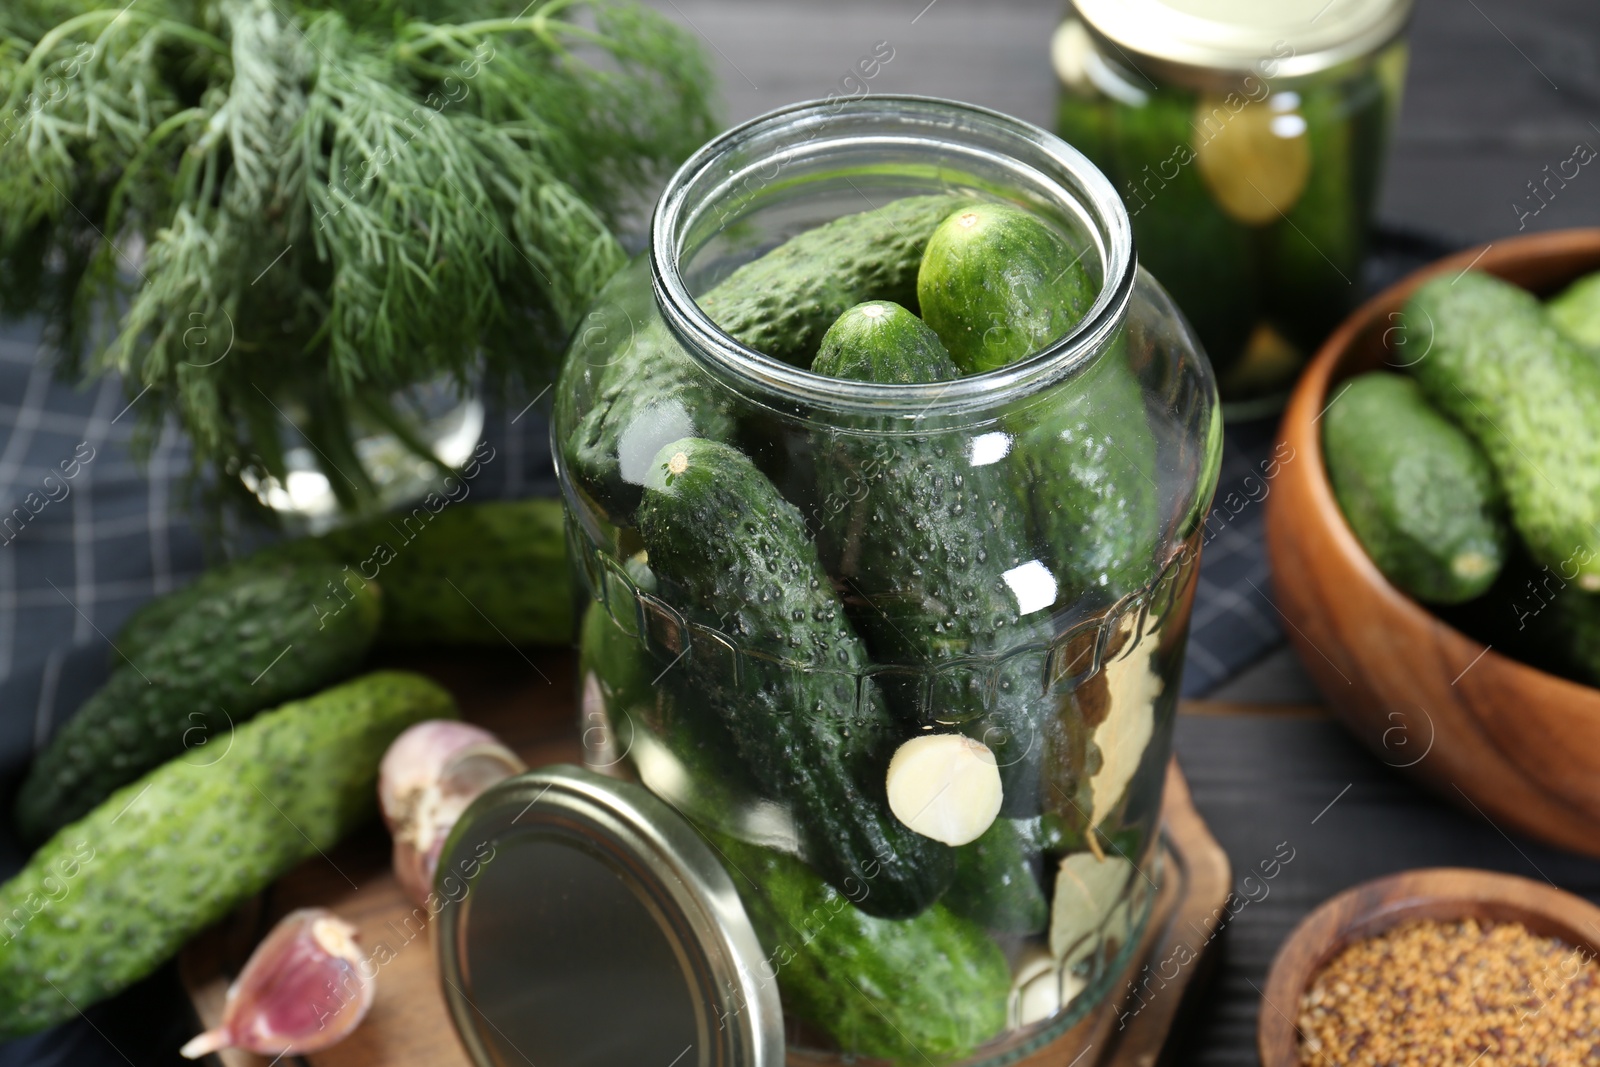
(1081, 188)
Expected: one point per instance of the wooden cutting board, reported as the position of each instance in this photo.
(530, 702)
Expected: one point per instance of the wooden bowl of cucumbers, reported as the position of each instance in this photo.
(1435, 531)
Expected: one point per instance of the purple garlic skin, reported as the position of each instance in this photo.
(305, 988)
(426, 780)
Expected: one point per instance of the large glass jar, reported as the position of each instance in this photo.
(790, 576)
(1247, 138)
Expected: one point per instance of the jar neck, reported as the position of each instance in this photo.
(912, 145)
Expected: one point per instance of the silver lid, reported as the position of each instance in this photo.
(1189, 39)
(587, 924)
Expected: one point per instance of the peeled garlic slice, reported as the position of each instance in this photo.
(1088, 890)
(945, 786)
(305, 988)
(1129, 724)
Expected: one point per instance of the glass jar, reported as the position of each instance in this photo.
(792, 575)
(1247, 138)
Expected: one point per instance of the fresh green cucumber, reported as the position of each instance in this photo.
(997, 879)
(1576, 310)
(997, 284)
(236, 651)
(1498, 367)
(109, 898)
(927, 989)
(1086, 463)
(465, 574)
(920, 540)
(645, 390)
(1419, 494)
(732, 552)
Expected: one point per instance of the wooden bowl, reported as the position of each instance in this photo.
(1520, 746)
(1378, 905)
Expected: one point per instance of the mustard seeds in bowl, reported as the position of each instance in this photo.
(1434, 993)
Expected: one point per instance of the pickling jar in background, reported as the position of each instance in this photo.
(1078, 479)
(1247, 139)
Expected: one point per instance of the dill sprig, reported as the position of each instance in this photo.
(347, 198)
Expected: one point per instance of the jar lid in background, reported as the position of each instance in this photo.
(1189, 39)
(587, 924)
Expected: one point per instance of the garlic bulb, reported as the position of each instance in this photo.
(426, 780)
(305, 988)
(945, 786)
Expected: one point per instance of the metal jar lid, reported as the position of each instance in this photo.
(1193, 41)
(585, 923)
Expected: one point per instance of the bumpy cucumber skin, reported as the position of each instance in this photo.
(880, 341)
(780, 304)
(997, 879)
(920, 540)
(236, 651)
(1497, 366)
(1087, 463)
(1576, 310)
(109, 898)
(1419, 494)
(929, 988)
(507, 559)
(783, 303)
(997, 285)
(724, 544)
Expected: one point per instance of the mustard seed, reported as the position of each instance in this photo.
(1432, 993)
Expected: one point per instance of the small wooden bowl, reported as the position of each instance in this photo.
(1520, 746)
(1373, 907)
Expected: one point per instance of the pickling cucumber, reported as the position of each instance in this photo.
(1576, 310)
(920, 540)
(997, 284)
(109, 898)
(647, 391)
(997, 879)
(1499, 368)
(480, 573)
(236, 650)
(726, 547)
(1419, 494)
(927, 989)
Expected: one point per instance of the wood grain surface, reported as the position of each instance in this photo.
(1373, 907)
(535, 713)
(1519, 745)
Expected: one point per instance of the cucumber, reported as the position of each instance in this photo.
(1418, 493)
(278, 634)
(109, 898)
(1086, 463)
(1312, 257)
(997, 879)
(927, 989)
(648, 391)
(997, 285)
(919, 539)
(467, 574)
(726, 547)
(1576, 310)
(1530, 397)
(1204, 259)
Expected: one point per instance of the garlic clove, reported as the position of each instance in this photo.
(303, 989)
(945, 786)
(429, 776)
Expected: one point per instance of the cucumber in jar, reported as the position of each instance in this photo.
(927, 989)
(920, 540)
(997, 882)
(648, 391)
(726, 547)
